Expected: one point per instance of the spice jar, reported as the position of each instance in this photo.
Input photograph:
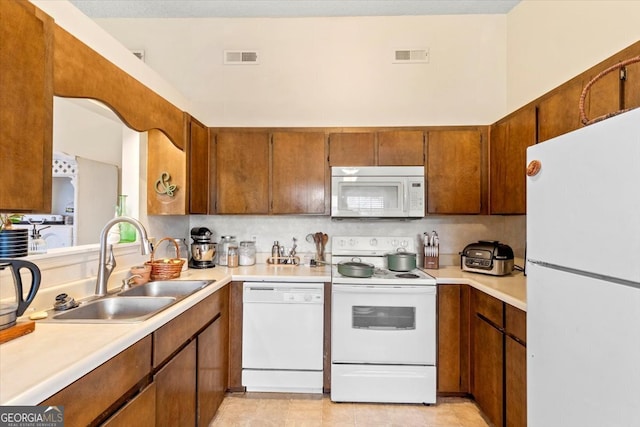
(247, 252)
(232, 256)
(223, 248)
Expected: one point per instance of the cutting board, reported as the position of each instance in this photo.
(17, 330)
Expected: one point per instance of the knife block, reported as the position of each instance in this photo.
(431, 262)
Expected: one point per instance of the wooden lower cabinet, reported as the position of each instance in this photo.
(176, 389)
(92, 397)
(139, 411)
(177, 376)
(453, 339)
(212, 369)
(515, 383)
(499, 363)
(488, 375)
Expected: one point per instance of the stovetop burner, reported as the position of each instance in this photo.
(407, 276)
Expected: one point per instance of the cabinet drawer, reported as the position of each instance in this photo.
(488, 307)
(140, 411)
(170, 337)
(91, 395)
(516, 323)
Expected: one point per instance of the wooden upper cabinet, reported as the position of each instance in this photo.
(167, 183)
(242, 172)
(201, 161)
(299, 181)
(454, 175)
(401, 148)
(508, 156)
(352, 149)
(631, 85)
(604, 95)
(26, 107)
(559, 113)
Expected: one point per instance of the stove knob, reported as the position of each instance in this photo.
(352, 242)
(373, 242)
(394, 243)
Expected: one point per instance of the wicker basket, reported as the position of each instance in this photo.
(167, 268)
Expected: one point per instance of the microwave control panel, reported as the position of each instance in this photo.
(416, 198)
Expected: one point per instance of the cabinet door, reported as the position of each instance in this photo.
(167, 186)
(242, 171)
(201, 184)
(139, 411)
(508, 158)
(176, 389)
(515, 383)
(88, 398)
(453, 339)
(488, 363)
(299, 182)
(26, 109)
(631, 85)
(454, 178)
(352, 149)
(559, 113)
(401, 148)
(235, 337)
(213, 362)
(604, 96)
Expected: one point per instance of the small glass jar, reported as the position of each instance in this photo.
(232, 256)
(247, 252)
(223, 248)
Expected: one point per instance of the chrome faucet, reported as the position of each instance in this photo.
(106, 266)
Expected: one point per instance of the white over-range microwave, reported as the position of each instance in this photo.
(377, 192)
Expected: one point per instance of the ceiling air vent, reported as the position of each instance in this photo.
(411, 56)
(139, 53)
(240, 57)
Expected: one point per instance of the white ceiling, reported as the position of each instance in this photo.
(286, 8)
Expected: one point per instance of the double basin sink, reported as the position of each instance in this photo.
(133, 305)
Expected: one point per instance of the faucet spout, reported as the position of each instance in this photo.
(107, 264)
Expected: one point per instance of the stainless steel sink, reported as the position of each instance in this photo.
(114, 310)
(166, 288)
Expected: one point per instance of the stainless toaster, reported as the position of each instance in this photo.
(488, 257)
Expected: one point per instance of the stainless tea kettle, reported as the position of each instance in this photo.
(12, 301)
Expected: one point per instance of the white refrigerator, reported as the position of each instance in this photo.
(583, 277)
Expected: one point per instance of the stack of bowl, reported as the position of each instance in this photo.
(14, 243)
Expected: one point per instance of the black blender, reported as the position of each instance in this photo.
(202, 249)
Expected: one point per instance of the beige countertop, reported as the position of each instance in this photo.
(511, 288)
(37, 365)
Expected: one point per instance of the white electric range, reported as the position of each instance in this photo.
(383, 327)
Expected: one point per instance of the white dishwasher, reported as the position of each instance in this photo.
(282, 337)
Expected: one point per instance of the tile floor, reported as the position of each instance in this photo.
(270, 409)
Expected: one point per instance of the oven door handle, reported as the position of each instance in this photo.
(429, 290)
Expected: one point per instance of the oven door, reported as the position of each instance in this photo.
(383, 324)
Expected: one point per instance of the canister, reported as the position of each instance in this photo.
(223, 248)
(232, 256)
(247, 252)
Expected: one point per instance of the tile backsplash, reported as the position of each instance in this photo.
(455, 231)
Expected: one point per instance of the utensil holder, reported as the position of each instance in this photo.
(291, 261)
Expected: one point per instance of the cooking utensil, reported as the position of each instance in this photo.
(401, 261)
(15, 306)
(355, 269)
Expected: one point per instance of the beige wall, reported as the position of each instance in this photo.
(329, 71)
(549, 42)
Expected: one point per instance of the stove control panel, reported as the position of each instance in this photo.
(345, 245)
